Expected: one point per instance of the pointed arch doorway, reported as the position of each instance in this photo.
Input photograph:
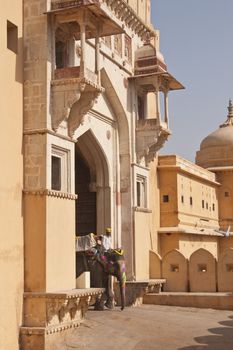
(93, 207)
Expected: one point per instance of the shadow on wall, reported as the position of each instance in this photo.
(221, 338)
(19, 62)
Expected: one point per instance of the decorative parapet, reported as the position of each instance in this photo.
(117, 10)
(58, 309)
(150, 137)
(51, 193)
(48, 315)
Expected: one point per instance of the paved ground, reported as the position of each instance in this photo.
(155, 327)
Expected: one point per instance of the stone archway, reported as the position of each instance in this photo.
(202, 271)
(175, 271)
(93, 207)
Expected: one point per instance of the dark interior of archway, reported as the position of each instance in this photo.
(86, 202)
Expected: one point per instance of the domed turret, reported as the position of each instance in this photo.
(149, 60)
(217, 148)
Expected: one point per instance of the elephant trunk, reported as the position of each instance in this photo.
(122, 282)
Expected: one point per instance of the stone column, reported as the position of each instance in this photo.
(166, 115)
(97, 55)
(83, 48)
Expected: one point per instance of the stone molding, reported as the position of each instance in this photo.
(51, 193)
(48, 131)
(143, 210)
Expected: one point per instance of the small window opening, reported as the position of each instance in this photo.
(56, 173)
(182, 199)
(61, 54)
(229, 267)
(165, 198)
(12, 37)
(191, 200)
(202, 268)
(226, 194)
(174, 268)
(203, 204)
(213, 207)
(207, 206)
(141, 107)
(141, 192)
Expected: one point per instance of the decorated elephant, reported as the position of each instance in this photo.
(102, 266)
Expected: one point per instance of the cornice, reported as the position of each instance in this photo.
(51, 193)
(50, 132)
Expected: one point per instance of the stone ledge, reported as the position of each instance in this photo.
(58, 309)
(136, 290)
(218, 301)
(49, 317)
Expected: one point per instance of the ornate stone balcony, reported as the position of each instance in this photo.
(150, 137)
(115, 15)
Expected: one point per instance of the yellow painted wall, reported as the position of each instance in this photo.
(225, 202)
(49, 244)
(188, 243)
(168, 187)
(142, 245)
(11, 179)
(188, 187)
(199, 191)
(146, 227)
(60, 245)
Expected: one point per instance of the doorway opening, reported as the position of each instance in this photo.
(86, 221)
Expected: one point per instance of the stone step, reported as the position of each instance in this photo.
(219, 301)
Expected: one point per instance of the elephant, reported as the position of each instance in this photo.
(102, 266)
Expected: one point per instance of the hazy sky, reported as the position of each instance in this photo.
(196, 39)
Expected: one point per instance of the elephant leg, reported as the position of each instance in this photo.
(121, 277)
(109, 292)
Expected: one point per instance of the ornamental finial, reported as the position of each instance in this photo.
(230, 109)
(229, 121)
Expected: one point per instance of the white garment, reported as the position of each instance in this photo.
(106, 242)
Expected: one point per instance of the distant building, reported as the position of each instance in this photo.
(195, 206)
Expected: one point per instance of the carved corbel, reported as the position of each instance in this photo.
(153, 149)
(80, 109)
(63, 100)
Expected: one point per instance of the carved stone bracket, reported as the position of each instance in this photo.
(153, 149)
(64, 95)
(71, 100)
(80, 109)
(150, 137)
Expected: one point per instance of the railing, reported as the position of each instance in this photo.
(74, 72)
(70, 3)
